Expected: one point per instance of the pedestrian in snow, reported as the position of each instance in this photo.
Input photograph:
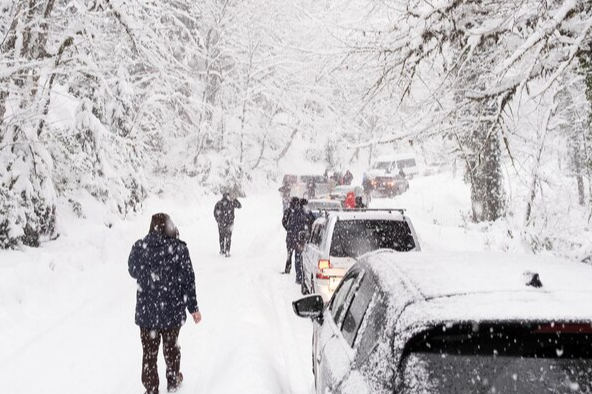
(224, 214)
(350, 200)
(311, 187)
(360, 202)
(161, 266)
(295, 221)
(348, 178)
(367, 185)
(310, 217)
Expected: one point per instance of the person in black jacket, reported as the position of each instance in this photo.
(162, 268)
(296, 223)
(224, 214)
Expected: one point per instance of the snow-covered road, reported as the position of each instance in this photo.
(66, 309)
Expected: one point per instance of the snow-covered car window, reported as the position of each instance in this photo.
(372, 327)
(353, 238)
(505, 360)
(357, 309)
(402, 164)
(341, 298)
(382, 165)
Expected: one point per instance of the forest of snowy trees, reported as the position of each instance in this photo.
(101, 97)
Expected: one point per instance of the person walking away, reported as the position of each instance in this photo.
(350, 200)
(348, 178)
(162, 268)
(311, 187)
(310, 217)
(360, 203)
(224, 214)
(367, 185)
(295, 221)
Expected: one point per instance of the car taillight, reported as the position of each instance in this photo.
(323, 263)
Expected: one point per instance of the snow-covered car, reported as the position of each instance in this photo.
(339, 193)
(340, 238)
(414, 323)
(318, 206)
(389, 186)
(393, 164)
(302, 185)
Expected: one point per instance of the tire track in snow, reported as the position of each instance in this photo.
(247, 342)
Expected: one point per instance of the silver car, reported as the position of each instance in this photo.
(449, 323)
(340, 238)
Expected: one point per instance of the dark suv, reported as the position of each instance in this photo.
(441, 323)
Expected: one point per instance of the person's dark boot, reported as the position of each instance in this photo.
(175, 384)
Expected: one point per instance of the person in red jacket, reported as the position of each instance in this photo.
(350, 200)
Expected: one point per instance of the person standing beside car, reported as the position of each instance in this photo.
(224, 215)
(295, 221)
(350, 200)
(162, 268)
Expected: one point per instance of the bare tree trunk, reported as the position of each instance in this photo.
(538, 161)
(289, 144)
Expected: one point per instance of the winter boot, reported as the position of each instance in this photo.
(174, 386)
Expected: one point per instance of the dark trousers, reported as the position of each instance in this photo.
(297, 262)
(225, 233)
(172, 357)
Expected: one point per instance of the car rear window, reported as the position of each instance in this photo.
(402, 164)
(353, 238)
(506, 358)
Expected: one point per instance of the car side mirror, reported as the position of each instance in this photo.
(311, 306)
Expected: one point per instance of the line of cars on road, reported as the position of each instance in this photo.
(387, 177)
(388, 321)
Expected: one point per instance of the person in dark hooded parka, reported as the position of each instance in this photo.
(224, 215)
(296, 223)
(162, 268)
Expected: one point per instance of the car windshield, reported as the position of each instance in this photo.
(509, 358)
(382, 165)
(343, 189)
(353, 238)
(402, 164)
(313, 178)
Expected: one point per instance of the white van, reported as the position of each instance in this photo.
(392, 164)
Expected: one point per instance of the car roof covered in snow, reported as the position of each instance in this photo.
(445, 286)
(386, 214)
(427, 288)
